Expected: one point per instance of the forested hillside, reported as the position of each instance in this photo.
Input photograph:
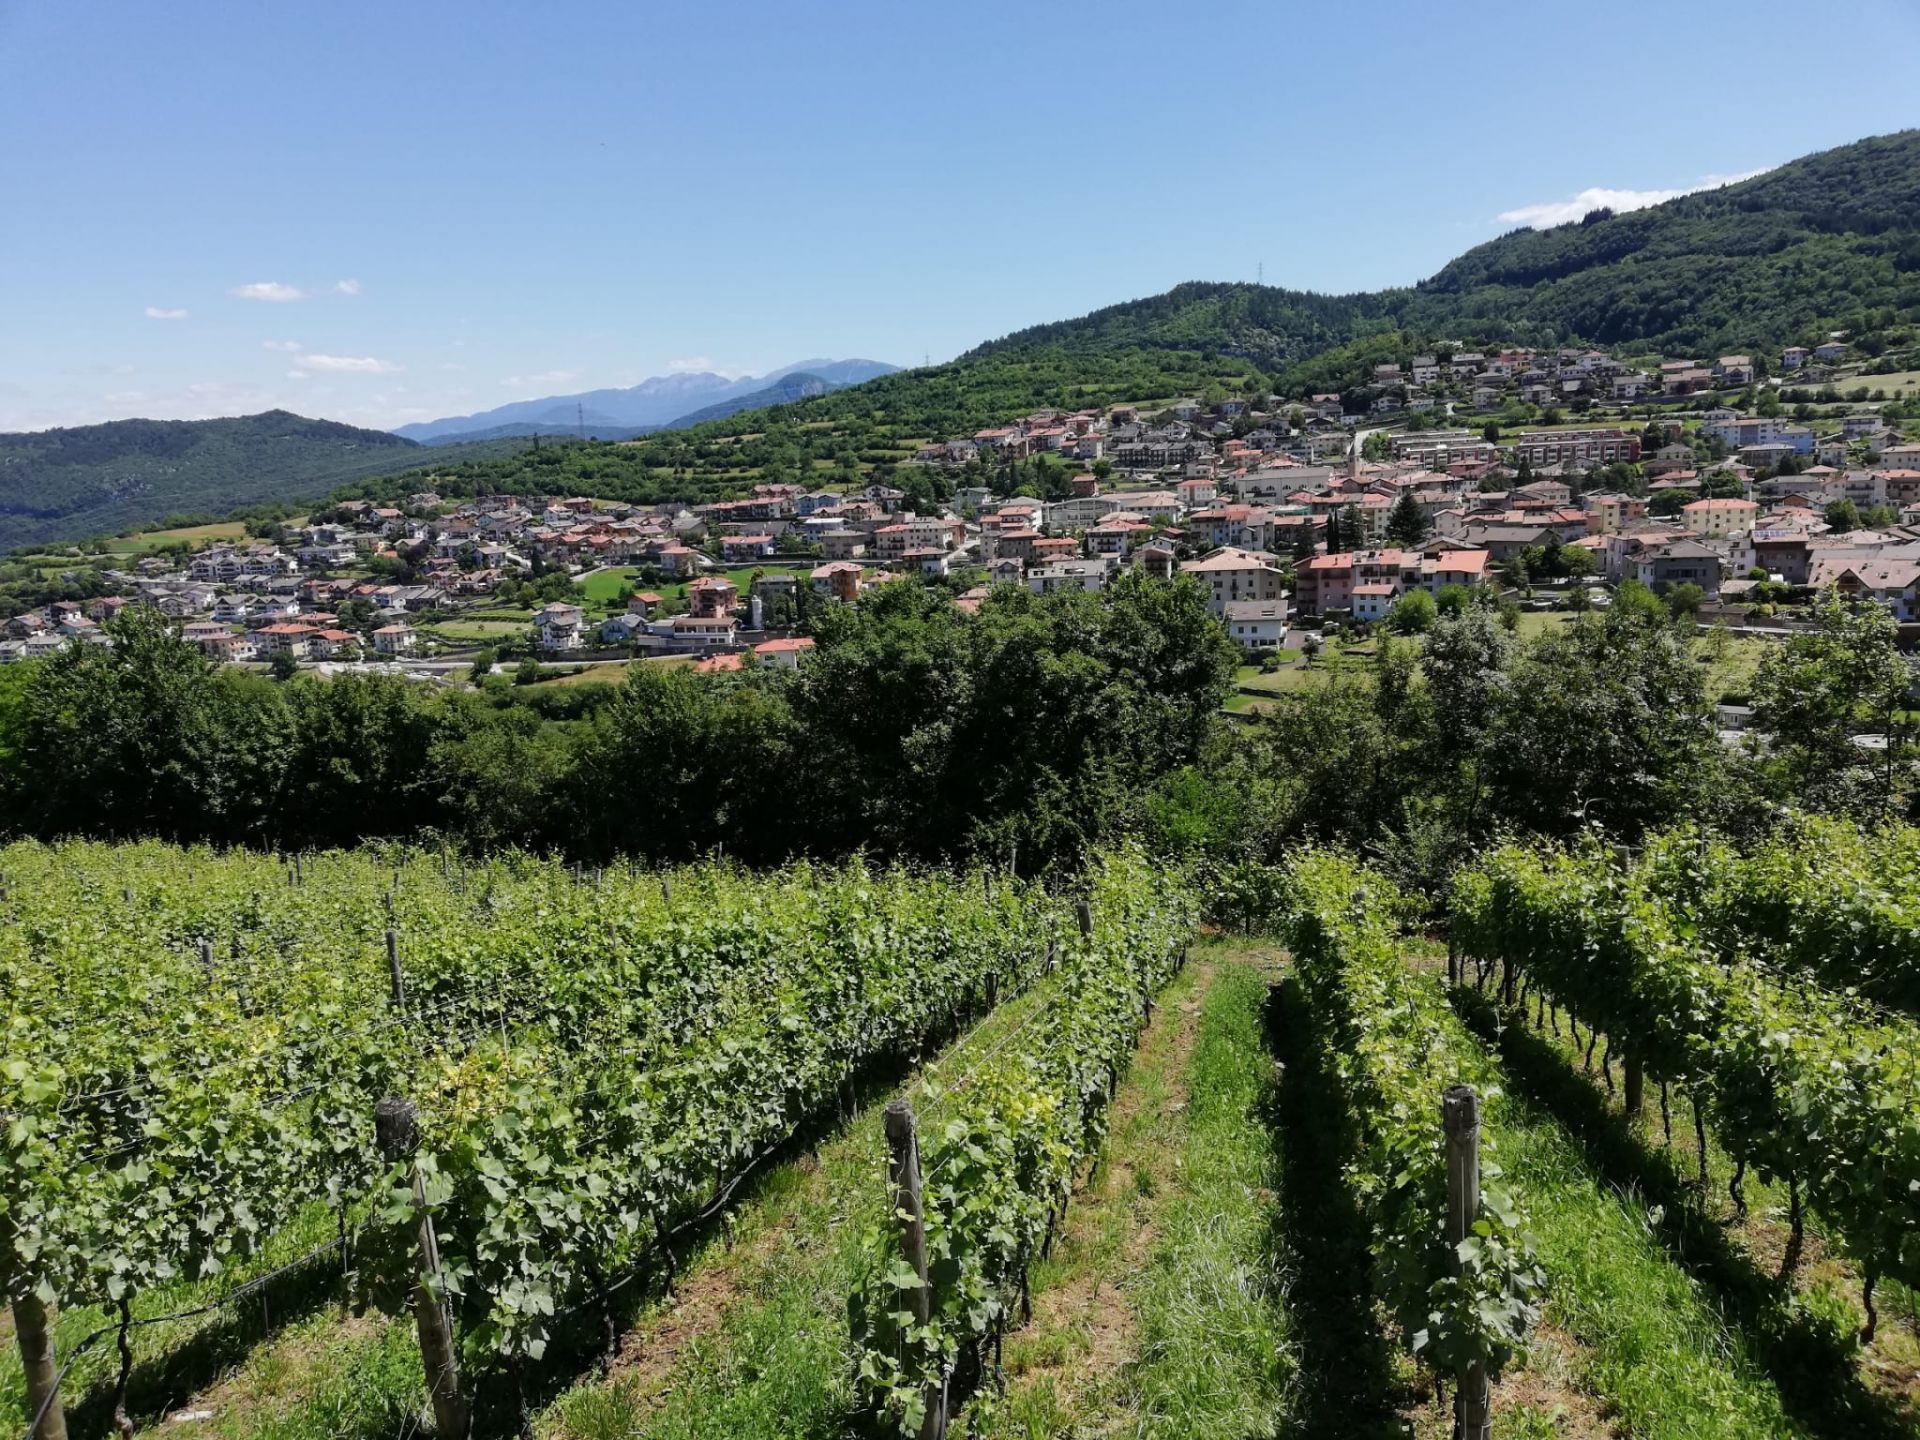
(835, 438)
(1819, 241)
(1830, 240)
(94, 479)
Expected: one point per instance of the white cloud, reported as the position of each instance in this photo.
(451, 365)
(690, 363)
(155, 312)
(296, 374)
(288, 347)
(1561, 212)
(545, 377)
(346, 287)
(271, 290)
(349, 364)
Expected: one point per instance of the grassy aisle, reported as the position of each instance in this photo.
(325, 1378)
(773, 1360)
(1628, 1346)
(1797, 1314)
(1157, 1314)
(1657, 1353)
(754, 1343)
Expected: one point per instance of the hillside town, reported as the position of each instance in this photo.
(1316, 513)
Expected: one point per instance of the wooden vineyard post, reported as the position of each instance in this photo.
(1460, 1117)
(35, 1339)
(903, 1148)
(1636, 1086)
(394, 973)
(1083, 913)
(396, 1129)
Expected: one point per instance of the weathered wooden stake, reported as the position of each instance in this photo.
(904, 1147)
(1636, 1086)
(394, 973)
(1460, 1117)
(396, 1129)
(1083, 913)
(35, 1340)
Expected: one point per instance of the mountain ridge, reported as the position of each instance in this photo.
(81, 480)
(1762, 260)
(655, 402)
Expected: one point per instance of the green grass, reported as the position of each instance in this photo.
(1252, 677)
(1729, 662)
(1660, 1348)
(1802, 1327)
(517, 615)
(469, 629)
(775, 1363)
(1213, 1348)
(195, 535)
(1651, 1343)
(603, 587)
(609, 674)
(174, 1358)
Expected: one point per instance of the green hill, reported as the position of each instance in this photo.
(94, 479)
(836, 438)
(1831, 239)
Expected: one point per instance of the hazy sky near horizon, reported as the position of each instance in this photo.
(397, 211)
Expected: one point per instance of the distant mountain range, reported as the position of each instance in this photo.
(657, 403)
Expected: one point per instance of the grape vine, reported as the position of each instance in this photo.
(1393, 1045)
(1800, 1082)
(195, 1042)
(1000, 1167)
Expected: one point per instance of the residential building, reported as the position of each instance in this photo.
(558, 626)
(783, 654)
(1229, 574)
(395, 640)
(1582, 448)
(1256, 625)
(1068, 575)
(1719, 517)
(1372, 601)
(1437, 449)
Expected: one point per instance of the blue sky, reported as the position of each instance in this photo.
(445, 206)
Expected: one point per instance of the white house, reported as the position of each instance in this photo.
(1372, 601)
(1067, 575)
(395, 640)
(1257, 624)
(557, 627)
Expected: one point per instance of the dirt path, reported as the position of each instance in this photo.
(1084, 1325)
